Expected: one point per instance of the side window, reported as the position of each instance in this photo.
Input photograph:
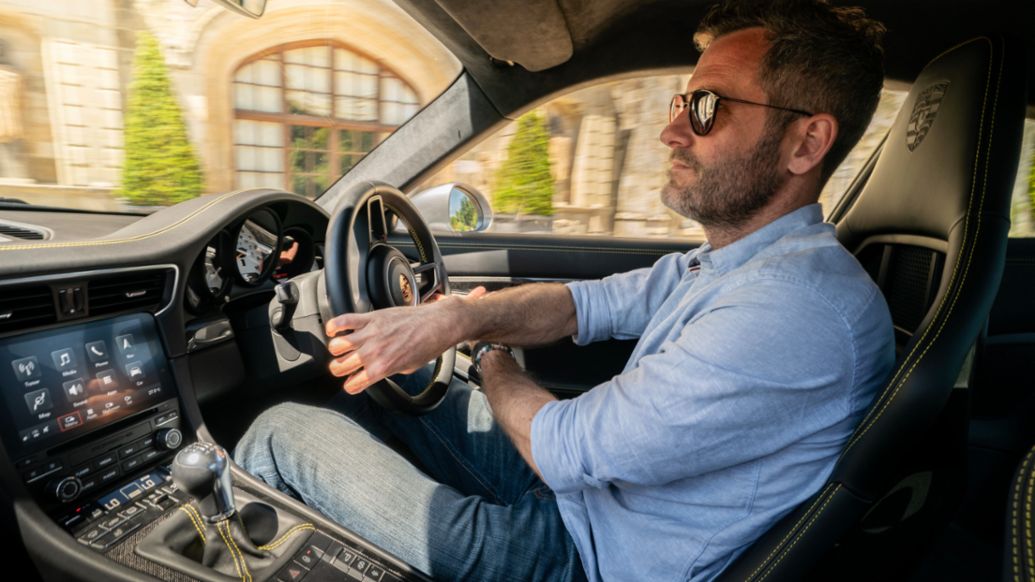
(1022, 210)
(591, 163)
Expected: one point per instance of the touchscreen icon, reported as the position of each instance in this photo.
(38, 401)
(26, 368)
(63, 359)
(70, 421)
(106, 380)
(74, 389)
(135, 371)
(97, 351)
(125, 344)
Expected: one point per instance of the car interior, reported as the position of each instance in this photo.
(935, 484)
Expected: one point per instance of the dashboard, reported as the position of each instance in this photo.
(250, 252)
(112, 337)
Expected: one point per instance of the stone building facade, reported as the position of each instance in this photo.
(65, 66)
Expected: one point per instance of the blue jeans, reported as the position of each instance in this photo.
(474, 510)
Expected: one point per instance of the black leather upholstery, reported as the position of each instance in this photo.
(937, 201)
(1019, 553)
(253, 544)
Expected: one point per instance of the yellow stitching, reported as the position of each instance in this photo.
(789, 533)
(244, 564)
(228, 539)
(196, 517)
(240, 554)
(1015, 530)
(233, 556)
(869, 422)
(190, 516)
(800, 534)
(1027, 523)
(420, 247)
(122, 240)
(275, 544)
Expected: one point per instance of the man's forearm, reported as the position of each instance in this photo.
(514, 399)
(522, 316)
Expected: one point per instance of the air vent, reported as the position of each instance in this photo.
(133, 290)
(12, 231)
(25, 307)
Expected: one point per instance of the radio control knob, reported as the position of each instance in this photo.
(66, 489)
(168, 439)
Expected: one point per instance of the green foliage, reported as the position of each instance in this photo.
(465, 219)
(524, 184)
(161, 167)
(1031, 189)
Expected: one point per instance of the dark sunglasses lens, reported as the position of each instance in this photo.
(702, 111)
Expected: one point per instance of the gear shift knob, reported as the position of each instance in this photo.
(203, 471)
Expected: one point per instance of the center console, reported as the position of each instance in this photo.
(93, 422)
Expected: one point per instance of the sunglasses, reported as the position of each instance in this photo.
(703, 105)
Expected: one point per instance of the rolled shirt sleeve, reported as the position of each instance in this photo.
(726, 388)
(621, 305)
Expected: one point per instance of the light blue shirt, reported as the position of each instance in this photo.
(751, 371)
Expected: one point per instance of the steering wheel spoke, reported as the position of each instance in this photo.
(428, 279)
(377, 222)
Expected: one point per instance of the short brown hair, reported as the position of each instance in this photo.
(820, 58)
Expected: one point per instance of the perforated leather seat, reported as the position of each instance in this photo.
(930, 225)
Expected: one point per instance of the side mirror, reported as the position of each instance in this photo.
(249, 8)
(453, 207)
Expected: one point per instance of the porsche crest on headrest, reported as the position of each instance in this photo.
(924, 112)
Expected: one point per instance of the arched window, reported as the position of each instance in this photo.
(305, 113)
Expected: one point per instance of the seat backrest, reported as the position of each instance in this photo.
(930, 225)
(1019, 550)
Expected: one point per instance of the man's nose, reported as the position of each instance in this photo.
(677, 134)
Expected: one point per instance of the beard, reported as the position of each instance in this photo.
(730, 192)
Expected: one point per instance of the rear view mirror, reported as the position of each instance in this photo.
(453, 208)
(249, 8)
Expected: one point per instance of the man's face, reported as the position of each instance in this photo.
(727, 176)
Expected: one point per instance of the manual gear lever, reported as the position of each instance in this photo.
(203, 471)
(224, 543)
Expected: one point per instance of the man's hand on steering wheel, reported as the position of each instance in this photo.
(396, 339)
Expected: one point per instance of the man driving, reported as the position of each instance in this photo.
(758, 352)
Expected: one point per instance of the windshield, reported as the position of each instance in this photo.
(133, 106)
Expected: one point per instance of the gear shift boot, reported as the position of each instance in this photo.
(209, 538)
(225, 550)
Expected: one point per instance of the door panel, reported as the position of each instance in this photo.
(498, 261)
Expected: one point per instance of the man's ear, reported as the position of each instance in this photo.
(813, 139)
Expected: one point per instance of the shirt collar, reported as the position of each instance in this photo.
(740, 251)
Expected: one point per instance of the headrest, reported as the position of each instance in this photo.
(942, 154)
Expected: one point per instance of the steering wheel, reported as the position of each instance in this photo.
(363, 272)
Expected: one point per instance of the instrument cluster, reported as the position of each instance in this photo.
(253, 252)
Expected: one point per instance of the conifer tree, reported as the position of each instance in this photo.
(524, 184)
(160, 166)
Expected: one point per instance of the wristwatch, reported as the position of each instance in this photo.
(482, 348)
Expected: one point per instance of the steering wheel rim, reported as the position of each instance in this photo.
(362, 272)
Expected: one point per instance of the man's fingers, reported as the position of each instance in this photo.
(477, 292)
(359, 382)
(346, 365)
(345, 322)
(343, 344)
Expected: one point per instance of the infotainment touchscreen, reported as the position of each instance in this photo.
(63, 383)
